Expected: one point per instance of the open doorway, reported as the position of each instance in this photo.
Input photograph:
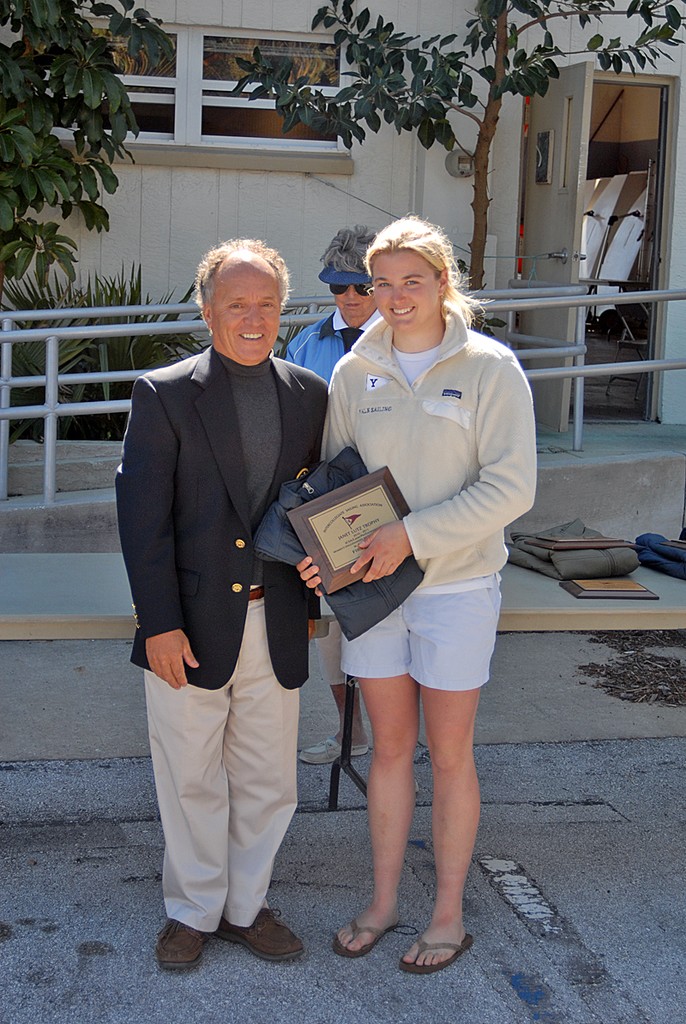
(621, 238)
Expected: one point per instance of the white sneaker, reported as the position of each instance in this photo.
(328, 750)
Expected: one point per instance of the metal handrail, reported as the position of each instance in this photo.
(515, 299)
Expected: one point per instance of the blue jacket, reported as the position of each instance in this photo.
(317, 347)
(654, 551)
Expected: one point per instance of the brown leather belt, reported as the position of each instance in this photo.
(256, 593)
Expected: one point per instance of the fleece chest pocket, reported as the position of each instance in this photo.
(449, 410)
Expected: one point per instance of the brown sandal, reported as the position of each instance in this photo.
(378, 934)
(415, 968)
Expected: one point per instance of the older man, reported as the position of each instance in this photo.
(222, 636)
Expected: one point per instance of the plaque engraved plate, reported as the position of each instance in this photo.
(330, 528)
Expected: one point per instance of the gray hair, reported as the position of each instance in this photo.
(212, 261)
(347, 250)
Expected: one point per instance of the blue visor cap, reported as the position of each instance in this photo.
(330, 275)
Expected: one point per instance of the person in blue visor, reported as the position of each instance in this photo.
(319, 347)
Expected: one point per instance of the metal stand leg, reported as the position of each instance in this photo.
(343, 761)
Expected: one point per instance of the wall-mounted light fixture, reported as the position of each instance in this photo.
(459, 164)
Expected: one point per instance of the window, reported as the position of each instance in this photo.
(153, 92)
(188, 101)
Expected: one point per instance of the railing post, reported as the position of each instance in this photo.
(5, 398)
(52, 361)
(578, 382)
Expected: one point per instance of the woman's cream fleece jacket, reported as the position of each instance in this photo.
(460, 443)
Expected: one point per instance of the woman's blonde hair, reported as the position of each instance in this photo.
(412, 234)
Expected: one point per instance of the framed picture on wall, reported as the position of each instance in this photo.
(544, 157)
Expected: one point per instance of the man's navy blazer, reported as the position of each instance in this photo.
(184, 520)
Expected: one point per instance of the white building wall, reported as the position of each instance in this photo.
(166, 217)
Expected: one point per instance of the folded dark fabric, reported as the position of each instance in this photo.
(657, 552)
(572, 551)
(358, 606)
(275, 539)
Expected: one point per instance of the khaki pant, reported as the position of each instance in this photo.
(225, 772)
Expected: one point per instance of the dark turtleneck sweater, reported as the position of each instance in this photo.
(259, 424)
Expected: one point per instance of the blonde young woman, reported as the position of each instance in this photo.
(450, 412)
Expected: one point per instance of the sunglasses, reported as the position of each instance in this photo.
(341, 289)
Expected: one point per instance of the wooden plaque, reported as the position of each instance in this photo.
(614, 587)
(330, 528)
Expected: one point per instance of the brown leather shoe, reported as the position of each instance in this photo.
(266, 937)
(179, 946)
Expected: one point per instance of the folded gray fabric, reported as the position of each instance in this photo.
(358, 606)
(572, 563)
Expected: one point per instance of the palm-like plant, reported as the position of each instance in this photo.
(83, 355)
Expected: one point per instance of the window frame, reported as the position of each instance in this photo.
(190, 92)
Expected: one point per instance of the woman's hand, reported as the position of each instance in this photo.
(309, 574)
(383, 551)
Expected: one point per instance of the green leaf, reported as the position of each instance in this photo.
(92, 88)
(8, 251)
(6, 215)
(22, 261)
(45, 184)
(673, 17)
(426, 133)
(108, 177)
(72, 80)
(594, 42)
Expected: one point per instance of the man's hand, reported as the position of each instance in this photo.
(382, 551)
(168, 654)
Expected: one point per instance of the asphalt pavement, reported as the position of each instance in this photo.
(575, 897)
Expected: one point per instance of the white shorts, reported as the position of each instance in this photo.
(444, 641)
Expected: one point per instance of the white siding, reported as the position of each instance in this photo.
(166, 217)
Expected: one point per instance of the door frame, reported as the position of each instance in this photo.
(664, 193)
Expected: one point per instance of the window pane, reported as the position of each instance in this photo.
(253, 123)
(318, 61)
(155, 117)
(140, 64)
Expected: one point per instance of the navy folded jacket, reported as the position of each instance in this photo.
(653, 550)
(358, 606)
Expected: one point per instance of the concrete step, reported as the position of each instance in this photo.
(78, 521)
(81, 466)
(620, 495)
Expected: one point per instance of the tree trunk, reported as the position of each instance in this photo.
(487, 130)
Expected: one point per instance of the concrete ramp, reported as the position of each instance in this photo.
(621, 495)
(629, 480)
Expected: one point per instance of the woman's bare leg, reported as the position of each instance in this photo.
(449, 719)
(393, 708)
